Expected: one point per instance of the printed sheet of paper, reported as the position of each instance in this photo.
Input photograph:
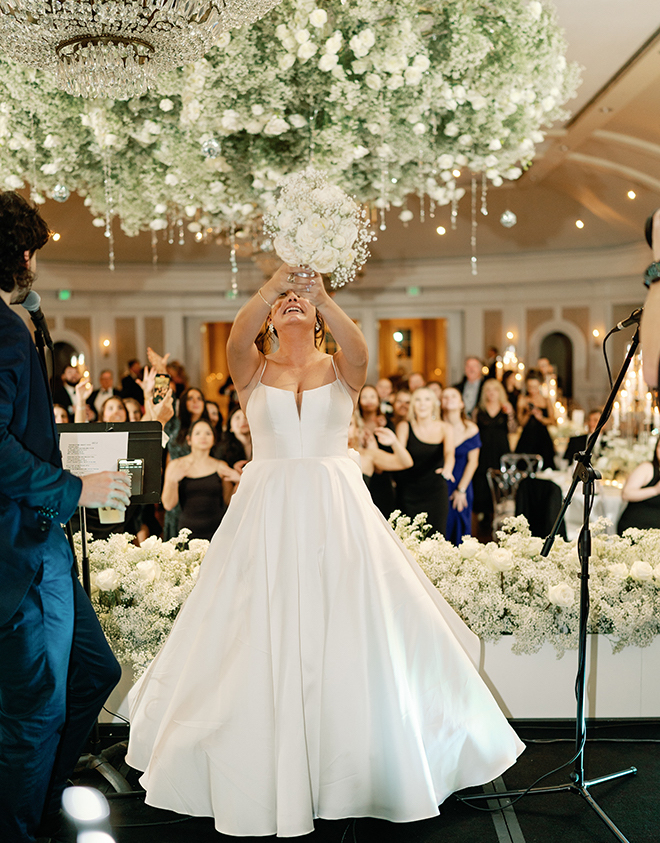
(87, 453)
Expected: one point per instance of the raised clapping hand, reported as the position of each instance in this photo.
(107, 488)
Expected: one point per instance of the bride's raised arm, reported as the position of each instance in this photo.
(242, 354)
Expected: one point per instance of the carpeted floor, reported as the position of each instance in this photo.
(630, 802)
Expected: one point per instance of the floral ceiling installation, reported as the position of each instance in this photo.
(387, 98)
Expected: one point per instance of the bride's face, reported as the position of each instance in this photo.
(291, 311)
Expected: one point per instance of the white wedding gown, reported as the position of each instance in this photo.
(314, 671)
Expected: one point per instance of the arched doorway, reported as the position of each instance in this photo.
(558, 348)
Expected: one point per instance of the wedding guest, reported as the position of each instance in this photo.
(60, 414)
(191, 408)
(471, 384)
(492, 356)
(130, 388)
(436, 388)
(56, 668)
(641, 492)
(579, 443)
(195, 483)
(386, 394)
(235, 448)
(509, 383)
(372, 457)
(400, 407)
(65, 391)
(178, 376)
(416, 380)
(495, 419)
(535, 414)
(381, 486)
(133, 409)
(105, 390)
(649, 333)
(467, 444)
(429, 441)
(215, 417)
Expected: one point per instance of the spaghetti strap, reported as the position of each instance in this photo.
(261, 374)
(339, 380)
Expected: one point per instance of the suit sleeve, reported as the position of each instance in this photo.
(26, 478)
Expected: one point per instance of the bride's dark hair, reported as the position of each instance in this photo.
(265, 337)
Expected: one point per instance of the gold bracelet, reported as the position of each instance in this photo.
(263, 299)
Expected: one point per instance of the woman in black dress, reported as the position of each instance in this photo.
(535, 414)
(429, 441)
(381, 487)
(495, 419)
(195, 482)
(642, 491)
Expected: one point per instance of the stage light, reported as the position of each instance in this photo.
(56, 236)
(632, 194)
(441, 230)
(579, 224)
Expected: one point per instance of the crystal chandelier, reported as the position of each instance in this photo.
(116, 48)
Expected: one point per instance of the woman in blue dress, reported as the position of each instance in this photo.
(467, 443)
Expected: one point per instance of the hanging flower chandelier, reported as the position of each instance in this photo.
(390, 100)
(105, 48)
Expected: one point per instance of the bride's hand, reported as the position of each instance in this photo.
(311, 288)
(296, 278)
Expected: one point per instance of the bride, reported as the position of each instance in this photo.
(314, 671)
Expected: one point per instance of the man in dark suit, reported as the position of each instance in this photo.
(579, 443)
(130, 388)
(56, 668)
(106, 390)
(65, 391)
(471, 385)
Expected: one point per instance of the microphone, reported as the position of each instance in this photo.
(633, 319)
(32, 303)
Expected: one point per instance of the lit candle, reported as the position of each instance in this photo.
(615, 416)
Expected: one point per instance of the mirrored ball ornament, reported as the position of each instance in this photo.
(508, 219)
(61, 193)
(211, 148)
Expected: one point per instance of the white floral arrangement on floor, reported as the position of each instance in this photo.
(501, 588)
(508, 588)
(137, 591)
(314, 223)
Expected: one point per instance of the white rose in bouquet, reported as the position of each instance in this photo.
(307, 237)
(618, 570)
(497, 559)
(286, 250)
(469, 547)
(561, 594)
(325, 260)
(106, 580)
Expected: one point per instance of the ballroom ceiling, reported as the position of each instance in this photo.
(583, 170)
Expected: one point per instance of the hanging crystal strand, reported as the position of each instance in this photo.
(182, 238)
(154, 249)
(431, 208)
(232, 261)
(312, 126)
(484, 194)
(383, 198)
(422, 194)
(454, 212)
(473, 233)
(33, 186)
(170, 231)
(109, 208)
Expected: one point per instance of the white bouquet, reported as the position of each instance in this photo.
(316, 224)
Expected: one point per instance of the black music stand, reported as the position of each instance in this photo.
(145, 443)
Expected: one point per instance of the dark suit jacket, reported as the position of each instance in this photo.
(575, 444)
(92, 397)
(130, 389)
(36, 494)
(459, 386)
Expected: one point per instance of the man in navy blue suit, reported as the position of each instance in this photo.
(56, 669)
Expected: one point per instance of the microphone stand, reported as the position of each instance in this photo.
(587, 475)
(43, 341)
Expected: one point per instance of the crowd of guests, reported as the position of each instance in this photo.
(422, 448)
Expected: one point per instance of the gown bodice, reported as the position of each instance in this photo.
(280, 431)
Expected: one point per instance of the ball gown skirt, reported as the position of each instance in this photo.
(314, 671)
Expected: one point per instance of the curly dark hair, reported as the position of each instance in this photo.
(22, 230)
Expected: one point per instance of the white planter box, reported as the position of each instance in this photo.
(542, 686)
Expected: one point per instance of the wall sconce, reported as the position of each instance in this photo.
(105, 345)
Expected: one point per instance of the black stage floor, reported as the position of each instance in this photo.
(630, 802)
